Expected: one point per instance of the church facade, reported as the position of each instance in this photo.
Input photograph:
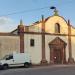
(48, 41)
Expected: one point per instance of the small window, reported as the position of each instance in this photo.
(57, 28)
(32, 42)
(9, 57)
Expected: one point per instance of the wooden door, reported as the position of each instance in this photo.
(57, 56)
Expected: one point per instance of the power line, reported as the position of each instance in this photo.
(25, 11)
(31, 10)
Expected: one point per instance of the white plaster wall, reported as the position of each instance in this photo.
(9, 44)
(35, 27)
(35, 52)
(73, 46)
(50, 25)
(48, 39)
(72, 30)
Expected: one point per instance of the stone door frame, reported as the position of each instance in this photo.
(57, 43)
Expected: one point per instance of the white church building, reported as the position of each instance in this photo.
(48, 41)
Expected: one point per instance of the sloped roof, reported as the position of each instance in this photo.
(46, 19)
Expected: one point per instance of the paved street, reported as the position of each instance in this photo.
(49, 70)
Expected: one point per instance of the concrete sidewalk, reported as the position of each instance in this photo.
(53, 66)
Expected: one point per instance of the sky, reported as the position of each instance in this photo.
(12, 11)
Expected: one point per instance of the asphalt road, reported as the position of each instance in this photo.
(48, 70)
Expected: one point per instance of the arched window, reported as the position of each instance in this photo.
(57, 28)
(31, 42)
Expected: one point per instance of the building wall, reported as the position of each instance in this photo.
(35, 51)
(50, 25)
(9, 44)
(35, 27)
(72, 30)
(73, 46)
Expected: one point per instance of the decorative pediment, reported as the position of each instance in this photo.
(57, 41)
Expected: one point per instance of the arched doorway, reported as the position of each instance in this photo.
(57, 51)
